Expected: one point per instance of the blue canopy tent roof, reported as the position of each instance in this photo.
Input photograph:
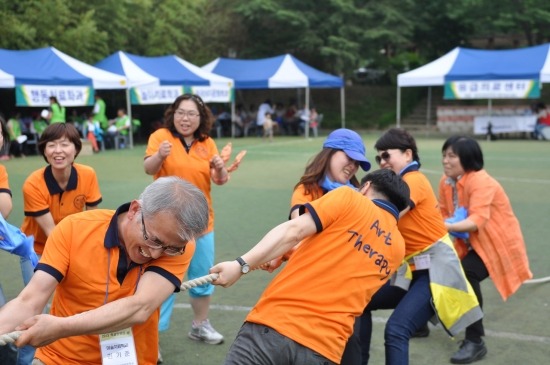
(465, 64)
(159, 80)
(167, 70)
(49, 66)
(280, 72)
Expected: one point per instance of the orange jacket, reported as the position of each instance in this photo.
(498, 239)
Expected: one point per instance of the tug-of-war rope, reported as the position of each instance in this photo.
(13, 336)
(537, 281)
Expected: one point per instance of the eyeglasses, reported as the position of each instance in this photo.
(156, 245)
(383, 156)
(190, 114)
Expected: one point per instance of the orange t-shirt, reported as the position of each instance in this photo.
(331, 277)
(193, 166)
(80, 251)
(4, 183)
(423, 225)
(299, 196)
(42, 194)
(498, 239)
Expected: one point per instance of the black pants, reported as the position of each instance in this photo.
(476, 272)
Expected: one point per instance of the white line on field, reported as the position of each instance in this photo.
(499, 178)
(497, 334)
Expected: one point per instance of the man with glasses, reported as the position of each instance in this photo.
(109, 272)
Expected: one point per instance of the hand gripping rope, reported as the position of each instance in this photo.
(9, 337)
(13, 336)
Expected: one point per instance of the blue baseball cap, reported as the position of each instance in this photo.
(351, 143)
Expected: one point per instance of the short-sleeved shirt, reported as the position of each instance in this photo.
(123, 122)
(58, 114)
(42, 194)
(300, 197)
(15, 128)
(4, 183)
(81, 250)
(193, 166)
(100, 113)
(423, 225)
(332, 275)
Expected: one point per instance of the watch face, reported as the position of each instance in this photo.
(245, 269)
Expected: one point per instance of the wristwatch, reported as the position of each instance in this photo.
(245, 268)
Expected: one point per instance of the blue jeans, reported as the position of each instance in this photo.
(413, 308)
(26, 353)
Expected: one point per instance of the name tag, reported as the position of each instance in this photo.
(118, 348)
(422, 262)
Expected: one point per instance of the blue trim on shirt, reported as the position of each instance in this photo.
(94, 204)
(167, 275)
(50, 270)
(386, 205)
(316, 219)
(37, 214)
(53, 186)
(413, 166)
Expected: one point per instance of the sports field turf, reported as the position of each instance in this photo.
(257, 198)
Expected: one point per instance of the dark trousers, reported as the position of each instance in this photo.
(257, 344)
(476, 272)
(412, 309)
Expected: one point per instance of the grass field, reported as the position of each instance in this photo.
(257, 198)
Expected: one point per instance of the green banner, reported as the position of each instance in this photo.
(68, 96)
(155, 95)
(492, 89)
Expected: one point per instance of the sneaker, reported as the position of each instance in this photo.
(422, 332)
(469, 352)
(159, 358)
(205, 332)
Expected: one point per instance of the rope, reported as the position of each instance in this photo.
(537, 281)
(198, 281)
(12, 336)
(9, 337)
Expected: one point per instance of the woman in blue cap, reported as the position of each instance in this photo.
(334, 166)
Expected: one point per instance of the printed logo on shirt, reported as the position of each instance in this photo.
(79, 201)
(370, 250)
(202, 152)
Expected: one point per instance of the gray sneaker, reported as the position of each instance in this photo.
(205, 332)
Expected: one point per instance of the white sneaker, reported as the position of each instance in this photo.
(205, 332)
(159, 358)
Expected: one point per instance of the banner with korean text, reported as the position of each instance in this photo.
(167, 94)
(213, 94)
(492, 89)
(154, 95)
(68, 96)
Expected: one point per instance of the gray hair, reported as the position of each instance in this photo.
(179, 198)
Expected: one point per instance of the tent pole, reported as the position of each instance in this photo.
(429, 106)
(233, 117)
(343, 106)
(398, 114)
(306, 111)
(129, 109)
